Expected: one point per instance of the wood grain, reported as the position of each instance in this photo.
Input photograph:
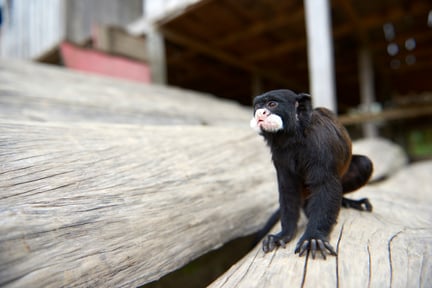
(390, 247)
(120, 206)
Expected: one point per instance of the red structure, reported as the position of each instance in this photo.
(93, 61)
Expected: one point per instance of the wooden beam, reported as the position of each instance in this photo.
(220, 55)
(376, 21)
(251, 31)
(387, 115)
(261, 27)
(277, 50)
(173, 14)
(156, 51)
(367, 89)
(357, 23)
(366, 23)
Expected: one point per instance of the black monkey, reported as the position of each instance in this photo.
(311, 152)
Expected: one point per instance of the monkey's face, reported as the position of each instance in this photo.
(265, 119)
(275, 111)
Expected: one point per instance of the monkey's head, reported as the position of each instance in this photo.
(280, 111)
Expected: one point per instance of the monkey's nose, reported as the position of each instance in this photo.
(262, 112)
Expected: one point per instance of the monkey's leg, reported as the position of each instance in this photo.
(322, 210)
(289, 200)
(358, 174)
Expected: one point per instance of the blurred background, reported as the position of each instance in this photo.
(379, 52)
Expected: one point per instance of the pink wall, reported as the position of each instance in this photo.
(93, 61)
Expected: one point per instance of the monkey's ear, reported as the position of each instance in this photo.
(303, 102)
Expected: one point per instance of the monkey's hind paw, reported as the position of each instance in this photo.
(313, 245)
(271, 242)
(361, 204)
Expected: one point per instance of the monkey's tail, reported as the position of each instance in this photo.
(358, 174)
(274, 218)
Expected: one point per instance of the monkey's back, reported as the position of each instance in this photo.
(331, 139)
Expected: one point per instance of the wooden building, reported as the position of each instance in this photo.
(35, 29)
(234, 48)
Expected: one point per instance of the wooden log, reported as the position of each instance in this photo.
(46, 93)
(390, 247)
(96, 205)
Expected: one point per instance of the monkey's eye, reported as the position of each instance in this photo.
(272, 104)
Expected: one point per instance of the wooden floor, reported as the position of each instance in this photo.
(115, 184)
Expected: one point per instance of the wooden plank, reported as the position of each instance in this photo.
(385, 248)
(110, 205)
(387, 115)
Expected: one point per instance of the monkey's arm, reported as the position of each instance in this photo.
(289, 200)
(322, 210)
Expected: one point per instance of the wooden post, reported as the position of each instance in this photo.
(156, 52)
(320, 53)
(155, 43)
(367, 92)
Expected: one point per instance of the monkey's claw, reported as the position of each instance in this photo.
(313, 245)
(271, 242)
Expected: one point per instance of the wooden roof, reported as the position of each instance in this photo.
(224, 46)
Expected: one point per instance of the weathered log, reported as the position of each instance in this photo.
(50, 94)
(390, 247)
(121, 205)
(387, 157)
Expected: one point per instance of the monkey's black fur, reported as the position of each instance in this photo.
(314, 167)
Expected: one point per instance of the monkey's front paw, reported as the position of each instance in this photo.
(313, 245)
(271, 242)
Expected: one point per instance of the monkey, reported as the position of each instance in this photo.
(312, 156)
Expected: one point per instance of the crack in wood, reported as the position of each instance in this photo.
(35, 180)
(390, 256)
(248, 268)
(337, 256)
(369, 265)
(303, 281)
